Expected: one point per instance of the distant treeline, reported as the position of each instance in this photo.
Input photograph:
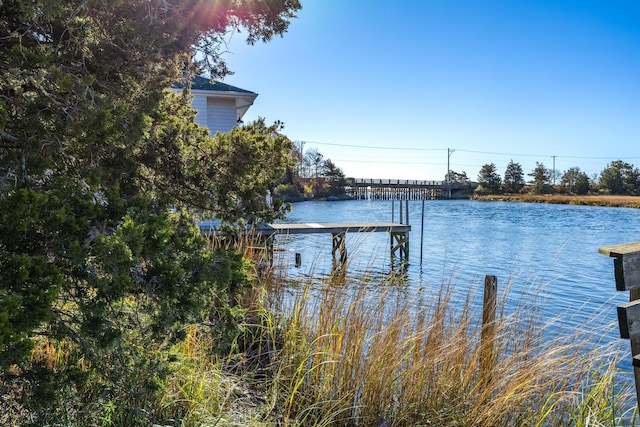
(617, 178)
(314, 177)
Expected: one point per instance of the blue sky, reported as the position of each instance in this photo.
(385, 88)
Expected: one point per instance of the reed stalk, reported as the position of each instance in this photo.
(355, 355)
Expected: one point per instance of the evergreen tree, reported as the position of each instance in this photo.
(335, 179)
(489, 179)
(513, 178)
(620, 177)
(582, 184)
(101, 171)
(541, 179)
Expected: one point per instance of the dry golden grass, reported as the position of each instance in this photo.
(357, 356)
(590, 200)
(202, 392)
(331, 353)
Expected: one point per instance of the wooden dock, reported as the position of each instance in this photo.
(399, 235)
(333, 228)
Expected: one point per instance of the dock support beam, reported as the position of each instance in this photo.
(399, 246)
(339, 248)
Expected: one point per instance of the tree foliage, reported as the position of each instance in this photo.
(620, 178)
(314, 162)
(334, 178)
(583, 184)
(541, 179)
(457, 177)
(101, 171)
(312, 175)
(513, 178)
(489, 179)
(575, 181)
(228, 175)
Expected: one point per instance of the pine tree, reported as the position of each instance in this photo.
(488, 178)
(513, 178)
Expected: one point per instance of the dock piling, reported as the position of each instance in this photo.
(626, 263)
(421, 232)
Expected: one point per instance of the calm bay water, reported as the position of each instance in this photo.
(536, 249)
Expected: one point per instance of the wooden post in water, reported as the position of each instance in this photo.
(393, 204)
(406, 210)
(488, 327)
(339, 249)
(422, 233)
(626, 266)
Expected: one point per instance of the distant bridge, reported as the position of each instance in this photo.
(406, 189)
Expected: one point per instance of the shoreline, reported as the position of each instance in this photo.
(588, 200)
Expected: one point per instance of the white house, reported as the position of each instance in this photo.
(219, 106)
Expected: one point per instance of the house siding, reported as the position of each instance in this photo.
(218, 106)
(220, 114)
(199, 104)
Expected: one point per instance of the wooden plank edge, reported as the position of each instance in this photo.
(628, 319)
(620, 250)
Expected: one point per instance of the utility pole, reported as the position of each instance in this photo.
(554, 169)
(449, 153)
(299, 163)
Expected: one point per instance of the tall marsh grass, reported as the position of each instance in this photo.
(353, 354)
(367, 351)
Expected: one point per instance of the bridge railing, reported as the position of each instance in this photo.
(377, 181)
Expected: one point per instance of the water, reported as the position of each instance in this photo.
(547, 251)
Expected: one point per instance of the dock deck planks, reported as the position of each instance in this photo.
(333, 228)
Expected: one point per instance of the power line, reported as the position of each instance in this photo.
(501, 154)
(494, 153)
(458, 166)
(375, 147)
(387, 162)
(546, 155)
